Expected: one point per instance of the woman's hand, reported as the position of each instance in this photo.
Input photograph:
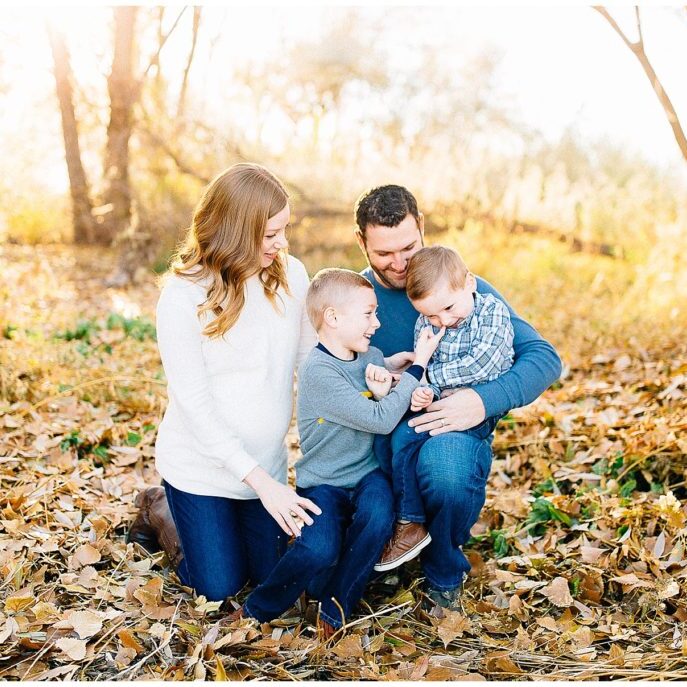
(378, 380)
(426, 344)
(281, 502)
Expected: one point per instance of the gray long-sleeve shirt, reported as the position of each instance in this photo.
(337, 419)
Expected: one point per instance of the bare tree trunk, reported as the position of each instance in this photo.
(637, 49)
(82, 208)
(123, 91)
(184, 82)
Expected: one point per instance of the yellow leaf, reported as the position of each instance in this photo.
(18, 602)
(220, 674)
(349, 646)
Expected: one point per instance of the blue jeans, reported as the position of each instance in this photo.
(333, 557)
(226, 542)
(442, 481)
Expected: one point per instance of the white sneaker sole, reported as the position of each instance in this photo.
(407, 556)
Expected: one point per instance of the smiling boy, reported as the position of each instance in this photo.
(344, 398)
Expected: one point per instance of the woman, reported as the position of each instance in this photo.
(231, 328)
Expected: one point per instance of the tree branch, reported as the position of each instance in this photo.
(638, 51)
(156, 57)
(189, 61)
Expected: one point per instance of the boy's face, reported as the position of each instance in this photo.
(448, 307)
(357, 320)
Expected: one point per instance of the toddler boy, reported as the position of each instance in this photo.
(477, 347)
(344, 398)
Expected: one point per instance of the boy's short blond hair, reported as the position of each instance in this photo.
(429, 266)
(328, 289)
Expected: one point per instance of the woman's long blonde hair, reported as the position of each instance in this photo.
(224, 242)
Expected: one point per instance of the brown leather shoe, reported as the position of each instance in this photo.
(154, 527)
(408, 539)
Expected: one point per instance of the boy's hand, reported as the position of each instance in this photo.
(399, 362)
(421, 398)
(426, 344)
(378, 380)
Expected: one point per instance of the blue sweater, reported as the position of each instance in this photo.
(536, 365)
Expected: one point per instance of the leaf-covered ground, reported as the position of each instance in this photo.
(579, 567)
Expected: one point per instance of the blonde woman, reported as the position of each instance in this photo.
(231, 329)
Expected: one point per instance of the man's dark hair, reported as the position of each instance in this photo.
(385, 205)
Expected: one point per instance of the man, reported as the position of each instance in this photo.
(453, 465)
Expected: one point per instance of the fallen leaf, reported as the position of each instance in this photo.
(451, 626)
(558, 593)
(74, 648)
(85, 623)
(84, 555)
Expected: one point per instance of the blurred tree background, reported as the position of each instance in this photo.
(150, 108)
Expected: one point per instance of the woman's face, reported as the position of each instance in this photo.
(274, 238)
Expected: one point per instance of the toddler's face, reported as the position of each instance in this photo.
(446, 306)
(357, 320)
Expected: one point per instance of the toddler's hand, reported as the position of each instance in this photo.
(426, 344)
(421, 398)
(378, 380)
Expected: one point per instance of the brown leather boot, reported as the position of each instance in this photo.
(154, 527)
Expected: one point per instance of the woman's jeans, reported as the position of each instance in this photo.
(226, 542)
(334, 557)
(439, 480)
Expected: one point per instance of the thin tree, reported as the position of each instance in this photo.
(82, 208)
(123, 92)
(637, 48)
(189, 61)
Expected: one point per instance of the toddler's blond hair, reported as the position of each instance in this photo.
(431, 265)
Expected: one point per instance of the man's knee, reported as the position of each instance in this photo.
(453, 465)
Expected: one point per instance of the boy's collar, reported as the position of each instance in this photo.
(324, 349)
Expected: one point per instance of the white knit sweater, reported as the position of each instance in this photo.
(230, 398)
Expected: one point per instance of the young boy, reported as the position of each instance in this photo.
(477, 347)
(344, 398)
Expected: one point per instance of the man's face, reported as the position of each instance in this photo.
(357, 320)
(446, 306)
(388, 249)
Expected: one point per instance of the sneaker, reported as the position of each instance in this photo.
(408, 539)
(437, 599)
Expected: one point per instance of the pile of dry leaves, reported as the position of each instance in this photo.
(579, 567)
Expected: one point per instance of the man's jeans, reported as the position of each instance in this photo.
(334, 556)
(225, 542)
(439, 480)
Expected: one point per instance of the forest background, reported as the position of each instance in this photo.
(545, 144)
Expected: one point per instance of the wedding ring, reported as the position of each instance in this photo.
(443, 422)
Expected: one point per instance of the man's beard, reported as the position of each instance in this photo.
(382, 279)
(385, 282)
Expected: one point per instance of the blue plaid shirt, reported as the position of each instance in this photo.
(479, 350)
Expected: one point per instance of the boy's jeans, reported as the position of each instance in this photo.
(334, 556)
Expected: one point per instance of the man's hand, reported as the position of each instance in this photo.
(460, 411)
(378, 380)
(421, 398)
